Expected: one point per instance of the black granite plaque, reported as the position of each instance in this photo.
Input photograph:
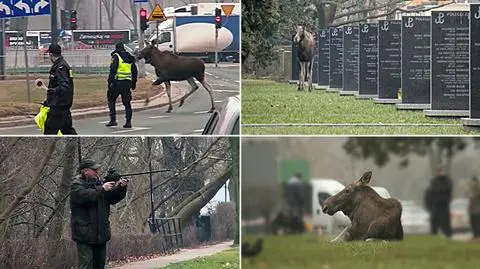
(350, 58)
(368, 61)
(389, 58)
(475, 61)
(336, 58)
(415, 60)
(450, 60)
(323, 39)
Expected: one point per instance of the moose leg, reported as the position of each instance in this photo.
(340, 235)
(194, 88)
(376, 230)
(169, 87)
(208, 88)
(310, 70)
(300, 77)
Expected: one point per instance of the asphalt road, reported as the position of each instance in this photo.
(187, 120)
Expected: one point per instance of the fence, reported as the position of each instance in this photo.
(170, 230)
(280, 69)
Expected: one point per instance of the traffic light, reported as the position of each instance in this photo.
(69, 19)
(73, 20)
(218, 18)
(143, 19)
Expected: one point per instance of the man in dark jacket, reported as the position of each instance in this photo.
(90, 201)
(438, 197)
(59, 95)
(122, 78)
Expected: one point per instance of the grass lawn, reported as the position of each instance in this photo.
(89, 91)
(225, 259)
(415, 252)
(266, 102)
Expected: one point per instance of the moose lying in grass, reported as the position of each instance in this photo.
(372, 216)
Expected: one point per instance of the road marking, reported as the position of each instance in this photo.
(159, 117)
(236, 91)
(218, 101)
(131, 130)
(102, 122)
(210, 74)
(18, 127)
(198, 131)
(237, 81)
(201, 112)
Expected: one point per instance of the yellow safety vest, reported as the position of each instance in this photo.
(124, 70)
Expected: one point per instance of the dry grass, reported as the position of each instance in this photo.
(89, 92)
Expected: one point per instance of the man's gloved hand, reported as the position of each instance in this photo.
(134, 86)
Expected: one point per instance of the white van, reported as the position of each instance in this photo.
(322, 189)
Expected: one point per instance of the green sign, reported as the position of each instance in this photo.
(288, 168)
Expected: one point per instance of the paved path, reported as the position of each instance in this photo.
(182, 255)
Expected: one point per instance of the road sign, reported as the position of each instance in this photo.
(140, 1)
(24, 8)
(227, 9)
(157, 14)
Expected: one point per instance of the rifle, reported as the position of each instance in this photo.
(112, 175)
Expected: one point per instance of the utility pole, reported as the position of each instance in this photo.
(53, 20)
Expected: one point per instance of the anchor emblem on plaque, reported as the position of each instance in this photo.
(365, 28)
(440, 19)
(477, 14)
(409, 23)
(335, 32)
(348, 31)
(384, 27)
(323, 34)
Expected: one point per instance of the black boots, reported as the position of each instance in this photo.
(111, 123)
(128, 124)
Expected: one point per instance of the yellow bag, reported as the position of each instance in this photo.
(41, 118)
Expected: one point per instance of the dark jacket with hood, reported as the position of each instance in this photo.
(90, 209)
(60, 86)
(126, 57)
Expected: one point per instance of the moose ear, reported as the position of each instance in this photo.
(365, 179)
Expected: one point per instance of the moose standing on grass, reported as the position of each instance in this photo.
(171, 67)
(372, 216)
(306, 46)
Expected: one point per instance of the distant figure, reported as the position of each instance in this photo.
(437, 200)
(474, 207)
(293, 193)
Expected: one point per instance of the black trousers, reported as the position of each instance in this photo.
(91, 256)
(120, 87)
(440, 219)
(59, 119)
(475, 222)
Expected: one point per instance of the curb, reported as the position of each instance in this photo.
(87, 112)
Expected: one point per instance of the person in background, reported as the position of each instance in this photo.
(437, 199)
(474, 207)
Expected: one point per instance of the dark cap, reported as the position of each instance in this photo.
(88, 163)
(119, 45)
(55, 49)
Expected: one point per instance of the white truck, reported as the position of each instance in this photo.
(195, 36)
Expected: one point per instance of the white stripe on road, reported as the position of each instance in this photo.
(102, 122)
(210, 74)
(131, 130)
(237, 81)
(159, 117)
(201, 112)
(198, 131)
(226, 91)
(218, 101)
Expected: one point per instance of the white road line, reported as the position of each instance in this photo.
(218, 101)
(103, 122)
(237, 81)
(210, 74)
(159, 117)
(201, 112)
(131, 130)
(226, 91)
(198, 131)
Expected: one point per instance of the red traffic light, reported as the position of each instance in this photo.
(218, 19)
(73, 20)
(143, 12)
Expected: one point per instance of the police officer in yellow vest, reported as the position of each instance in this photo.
(121, 80)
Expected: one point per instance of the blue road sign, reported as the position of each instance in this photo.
(140, 1)
(23, 8)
